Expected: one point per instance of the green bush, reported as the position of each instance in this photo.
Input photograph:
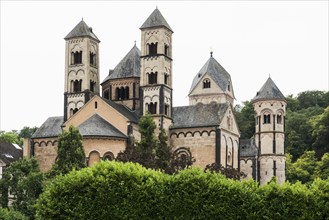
(6, 214)
(112, 190)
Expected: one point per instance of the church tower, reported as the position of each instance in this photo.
(270, 108)
(156, 69)
(81, 68)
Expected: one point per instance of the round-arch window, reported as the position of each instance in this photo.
(108, 156)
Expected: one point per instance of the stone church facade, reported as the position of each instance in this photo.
(107, 112)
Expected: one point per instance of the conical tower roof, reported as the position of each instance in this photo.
(129, 66)
(155, 20)
(82, 30)
(217, 73)
(269, 91)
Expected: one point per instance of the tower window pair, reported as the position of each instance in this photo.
(153, 48)
(267, 119)
(76, 85)
(153, 78)
(122, 93)
(92, 86)
(152, 107)
(76, 57)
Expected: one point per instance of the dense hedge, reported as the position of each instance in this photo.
(112, 190)
(6, 214)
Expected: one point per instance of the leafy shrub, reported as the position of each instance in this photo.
(6, 214)
(113, 190)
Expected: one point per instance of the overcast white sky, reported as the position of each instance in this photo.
(250, 39)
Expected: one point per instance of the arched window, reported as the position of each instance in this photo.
(77, 85)
(153, 50)
(182, 158)
(75, 110)
(106, 94)
(92, 59)
(92, 86)
(166, 78)
(108, 156)
(228, 87)
(206, 83)
(166, 50)
(126, 92)
(153, 78)
(166, 109)
(117, 93)
(279, 119)
(95, 105)
(267, 118)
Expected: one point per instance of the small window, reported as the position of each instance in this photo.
(267, 119)
(166, 109)
(92, 85)
(166, 77)
(75, 110)
(206, 83)
(279, 119)
(122, 93)
(95, 105)
(228, 87)
(92, 59)
(106, 94)
(166, 50)
(153, 50)
(126, 93)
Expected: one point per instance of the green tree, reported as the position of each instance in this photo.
(245, 119)
(163, 153)
(11, 137)
(23, 181)
(70, 152)
(27, 132)
(313, 98)
(320, 132)
(322, 167)
(6, 214)
(303, 169)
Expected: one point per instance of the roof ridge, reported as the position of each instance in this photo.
(156, 19)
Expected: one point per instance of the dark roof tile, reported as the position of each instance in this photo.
(129, 66)
(269, 91)
(50, 128)
(9, 152)
(248, 148)
(82, 30)
(97, 126)
(198, 115)
(155, 20)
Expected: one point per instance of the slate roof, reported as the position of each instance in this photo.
(97, 126)
(198, 115)
(217, 73)
(9, 152)
(269, 91)
(155, 20)
(82, 30)
(131, 115)
(248, 148)
(50, 128)
(129, 66)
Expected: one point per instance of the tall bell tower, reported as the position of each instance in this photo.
(270, 108)
(81, 68)
(156, 70)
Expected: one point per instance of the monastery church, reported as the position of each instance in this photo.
(141, 83)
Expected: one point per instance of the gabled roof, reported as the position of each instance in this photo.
(248, 148)
(156, 20)
(50, 128)
(81, 30)
(269, 91)
(198, 115)
(9, 152)
(97, 126)
(129, 66)
(131, 115)
(217, 73)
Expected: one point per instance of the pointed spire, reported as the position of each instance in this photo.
(269, 91)
(156, 20)
(82, 30)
